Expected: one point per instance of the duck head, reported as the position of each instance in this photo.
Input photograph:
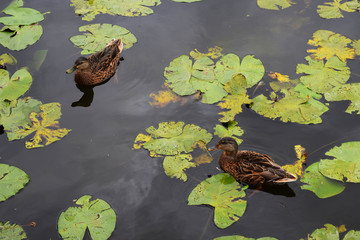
(227, 144)
(80, 63)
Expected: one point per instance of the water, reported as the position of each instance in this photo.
(96, 158)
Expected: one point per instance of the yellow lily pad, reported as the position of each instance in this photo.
(297, 167)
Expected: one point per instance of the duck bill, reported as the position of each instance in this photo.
(213, 148)
(70, 70)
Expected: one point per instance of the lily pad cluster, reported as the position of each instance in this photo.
(174, 140)
(326, 177)
(21, 27)
(22, 116)
(329, 231)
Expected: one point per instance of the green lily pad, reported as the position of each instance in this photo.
(7, 58)
(19, 37)
(11, 231)
(45, 125)
(129, 8)
(19, 15)
(322, 186)
(232, 130)
(290, 108)
(14, 87)
(352, 235)
(97, 36)
(222, 192)
(172, 138)
(96, 215)
(330, 44)
(212, 92)
(12, 180)
(333, 9)
(323, 77)
(349, 92)
(356, 46)
(346, 163)
(186, 1)
(328, 232)
(213, 53)
(238, 237)
(274, 4)
(175, 166)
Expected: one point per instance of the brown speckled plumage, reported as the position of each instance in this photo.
(250, 167)
(98, 67)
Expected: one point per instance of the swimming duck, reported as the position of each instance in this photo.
(252, 168)
(98, 67)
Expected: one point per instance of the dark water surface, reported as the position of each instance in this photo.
(96, 158)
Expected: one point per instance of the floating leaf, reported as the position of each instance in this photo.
(236, 88)
(19, 15)
(11, 231)
(186, 1)
(175, 166)
(280, 77)
(129, 8)
(322, 186)
(96, 215)
(330, 44)
(274, 4)
(346, 163)
(328, 232)
(212, 92)
(356, 46)
(213, 53)
(349, 92)
(172, 138)
(352, 235)
(45, 125)
(290, 108)
(222, 192)
(332, 9)
(97, 36)
(232, 130)
(7, 58)
(12, 180)
(297, 167)
(19, 37)
(238, 237)
(12, 88)
(323, 77)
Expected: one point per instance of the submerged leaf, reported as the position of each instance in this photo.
(222, 192)
(322, 186)
(12, 180)
(297, 167)
(97, 36)
(19, 37)
(274, 4)
(12, 88)
(175, 166)
(96, 215)
(232, 130)
(323, 77)
(330, 44)
(349, 92)
(164, 97)
(346, 163)
(11, 231)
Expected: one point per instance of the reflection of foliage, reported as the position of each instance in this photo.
(346, 92)
(12, 180)
(129, 8)
(330, 44)
(297, 167)
(331, 232)
(96, 215)
(20, 29)
(11, 231)
(323, 77)
(274, 4)
(232, 130)
(96, 37)
(222, 192)
(332, 9)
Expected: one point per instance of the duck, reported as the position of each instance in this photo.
(249, 167)
(98, 67)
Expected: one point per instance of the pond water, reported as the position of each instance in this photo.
(97, 159)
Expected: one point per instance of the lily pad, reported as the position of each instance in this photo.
(356, 46)
(97, 36)
(330, 44)
(349, 92)
(232, 130)
(346, 163)
(95, 215)
(322, 186)
(20, 15)
(352, 235)
(297, 167)
(45, 125)
(172, 138)
(212, 53)
(186, 1)
(328, 232)
(333, 9)
(7, 58)
(20, 37)
(238, 237)
(129, 8)
(11, 231)
(222, 192)
(12, 180)
(175, 166)
(14, 87)
(323, 77)
(274, 4)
